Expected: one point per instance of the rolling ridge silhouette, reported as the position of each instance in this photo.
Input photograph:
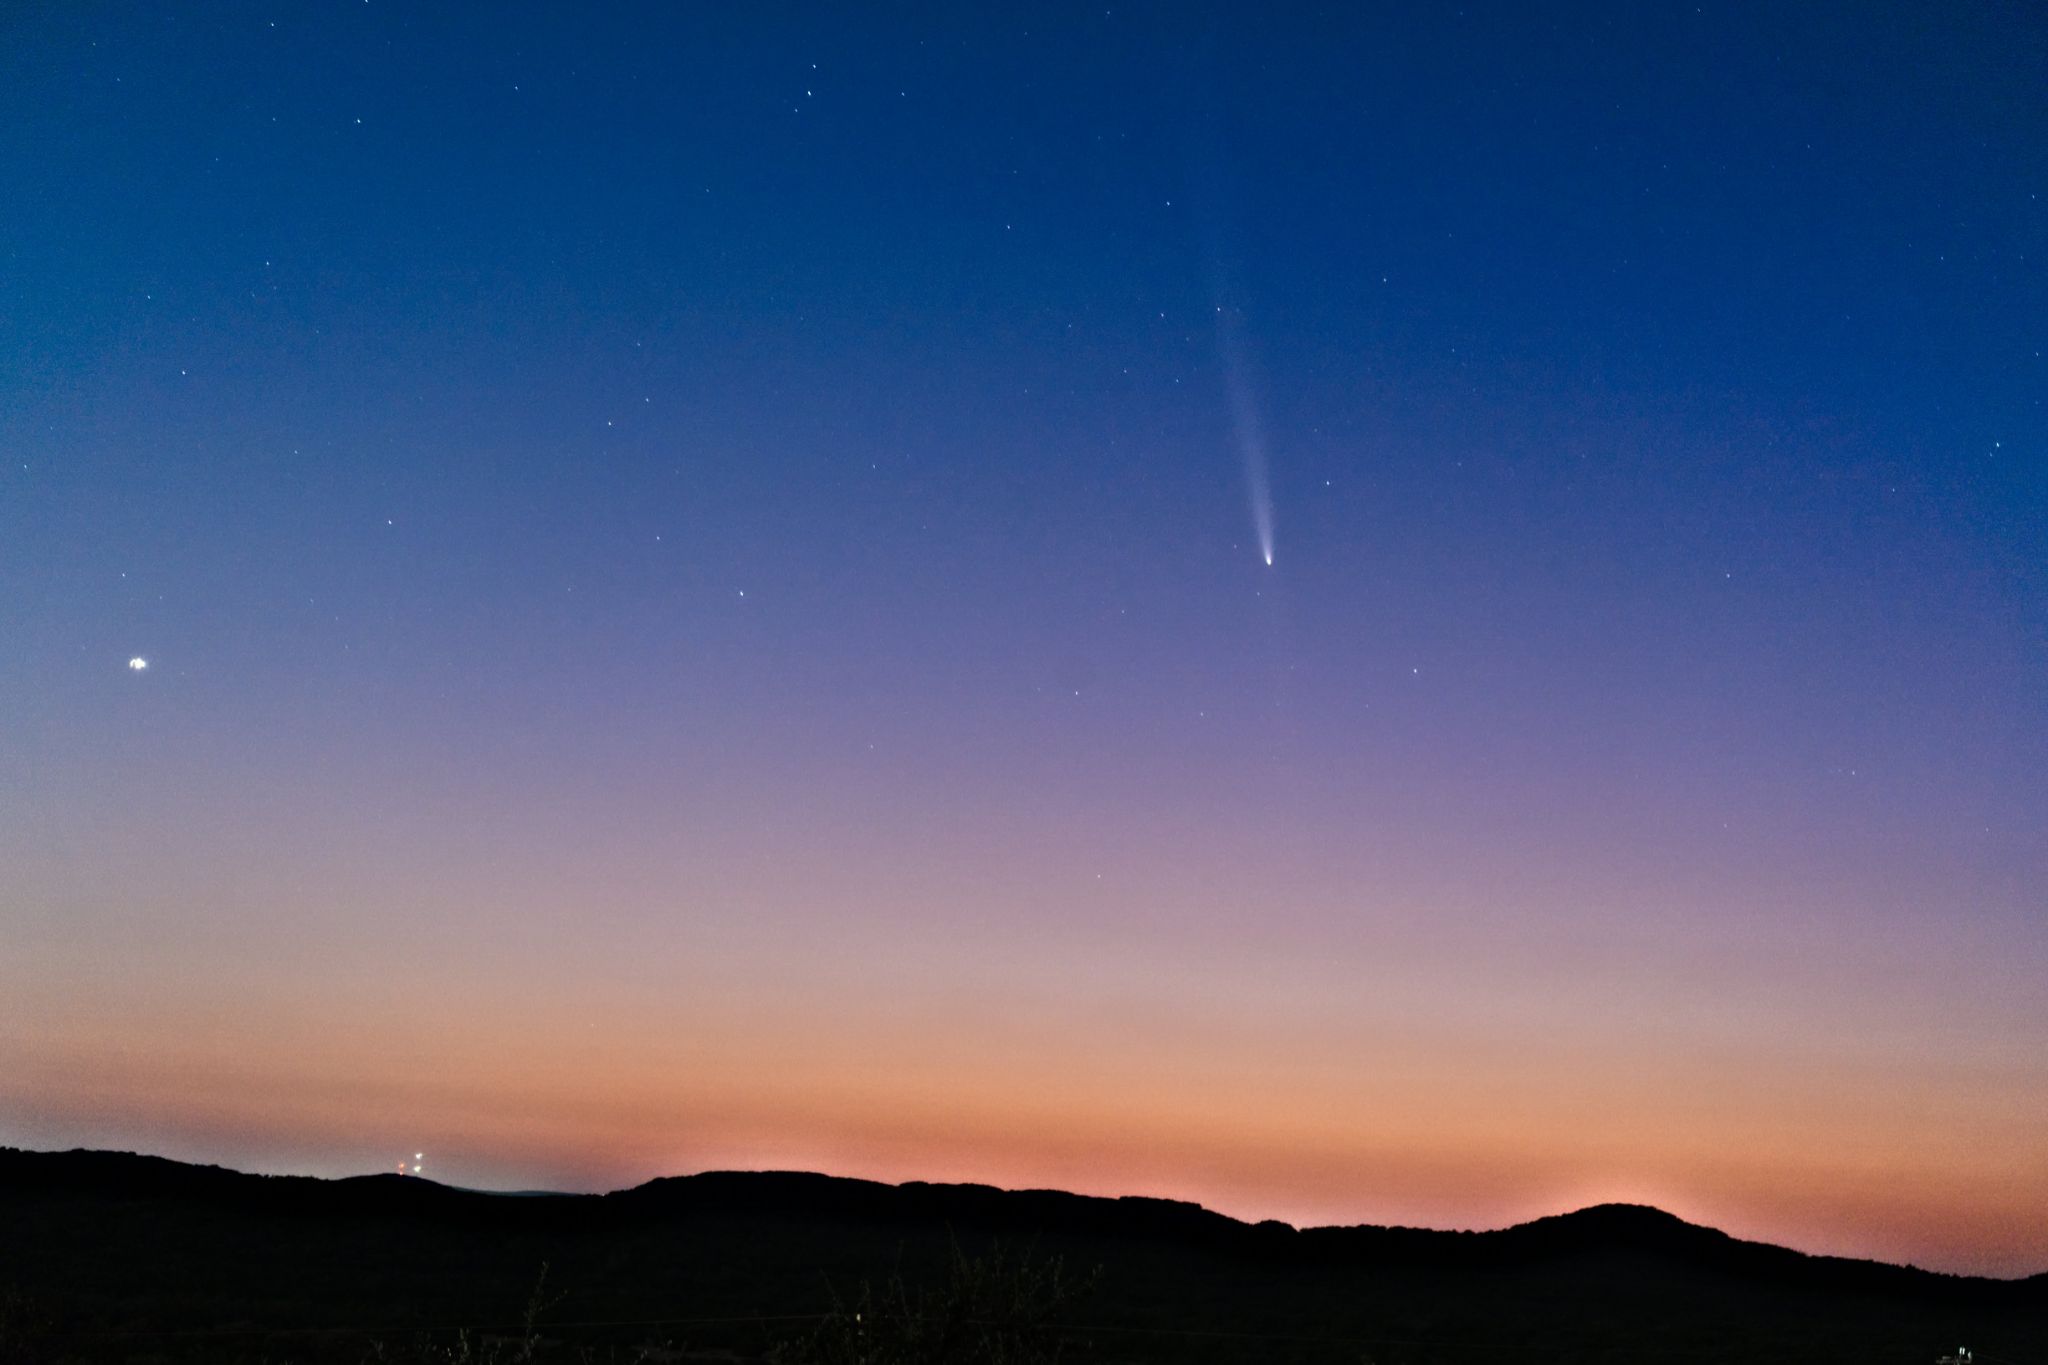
(128, 1248)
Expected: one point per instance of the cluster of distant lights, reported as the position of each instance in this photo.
(415, 1166)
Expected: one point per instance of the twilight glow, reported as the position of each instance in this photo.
(590, 596)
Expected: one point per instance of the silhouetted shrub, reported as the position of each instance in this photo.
(468, 1349)
(24, 1328)
(990, 1310)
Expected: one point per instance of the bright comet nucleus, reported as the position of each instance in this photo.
(1251, 437)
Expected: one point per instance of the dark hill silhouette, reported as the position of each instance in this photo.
(1602, 1229)
(141, 1248)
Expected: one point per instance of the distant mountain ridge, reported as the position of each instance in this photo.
(1600, 1230)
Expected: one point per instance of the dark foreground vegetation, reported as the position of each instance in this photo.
(117, 1258)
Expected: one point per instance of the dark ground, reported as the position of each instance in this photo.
(111, 1257)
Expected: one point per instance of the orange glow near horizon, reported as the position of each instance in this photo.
(1306, 1107)
(602, 591)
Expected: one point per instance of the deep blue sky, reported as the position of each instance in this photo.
(588, 483)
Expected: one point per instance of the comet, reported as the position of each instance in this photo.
(1250, 433)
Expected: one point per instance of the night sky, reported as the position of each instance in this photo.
(698, 585)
